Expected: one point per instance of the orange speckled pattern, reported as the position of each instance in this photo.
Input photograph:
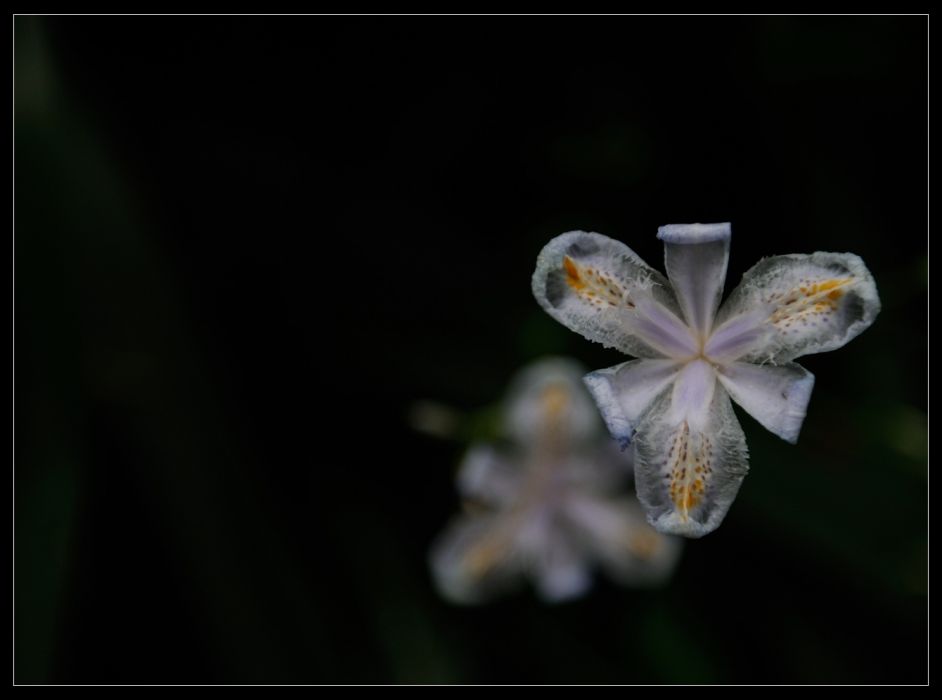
(594, 286)
(690, 464)
(807, 304)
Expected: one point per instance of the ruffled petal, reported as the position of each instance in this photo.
(600, 288)
(814, 303)
(695, 256)
(621, 540)
(776, 396)
(689, 463)
(489, 477)
(623, 392)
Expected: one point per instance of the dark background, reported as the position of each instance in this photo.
(245, 247)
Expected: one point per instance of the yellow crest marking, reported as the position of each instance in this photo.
(808, 302)
(595, 287)
(690, 461)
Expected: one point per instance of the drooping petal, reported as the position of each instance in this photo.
(487, 476)
(623, 392)
(776, 396)
(695, 256)
(816, 303)
(548, 400)
(600, 288)
(616, 532)
(688, 470)
(474, 559)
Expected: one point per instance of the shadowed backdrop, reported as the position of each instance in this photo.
(246, 247)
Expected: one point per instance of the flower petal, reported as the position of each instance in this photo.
(474, 558)
(616, 532)
(776, 396)
(739, 334)
(695, 257)
(548, 401)
(489, 477)
(693, 394)
(816, 303)
(600, 288)
(688, 470)
(623, 392)
(560, 568)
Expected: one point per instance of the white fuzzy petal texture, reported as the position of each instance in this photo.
(776, 396)
(593, 285)
(686, 476)
(818, 303)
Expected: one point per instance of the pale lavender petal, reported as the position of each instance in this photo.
(661, 329)
(776, 396)
(695, 256)
(739, 335)
(693, 395)
(623, 392)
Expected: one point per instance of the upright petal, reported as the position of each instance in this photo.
(623, 392)
(814, 303)
(600, 288)
(776, 396)
(695, 256)
(688, 470)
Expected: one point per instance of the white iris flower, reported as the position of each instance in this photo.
(673, 403)
(550, 504)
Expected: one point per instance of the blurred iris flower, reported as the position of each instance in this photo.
(673, 404)
(551, 505)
